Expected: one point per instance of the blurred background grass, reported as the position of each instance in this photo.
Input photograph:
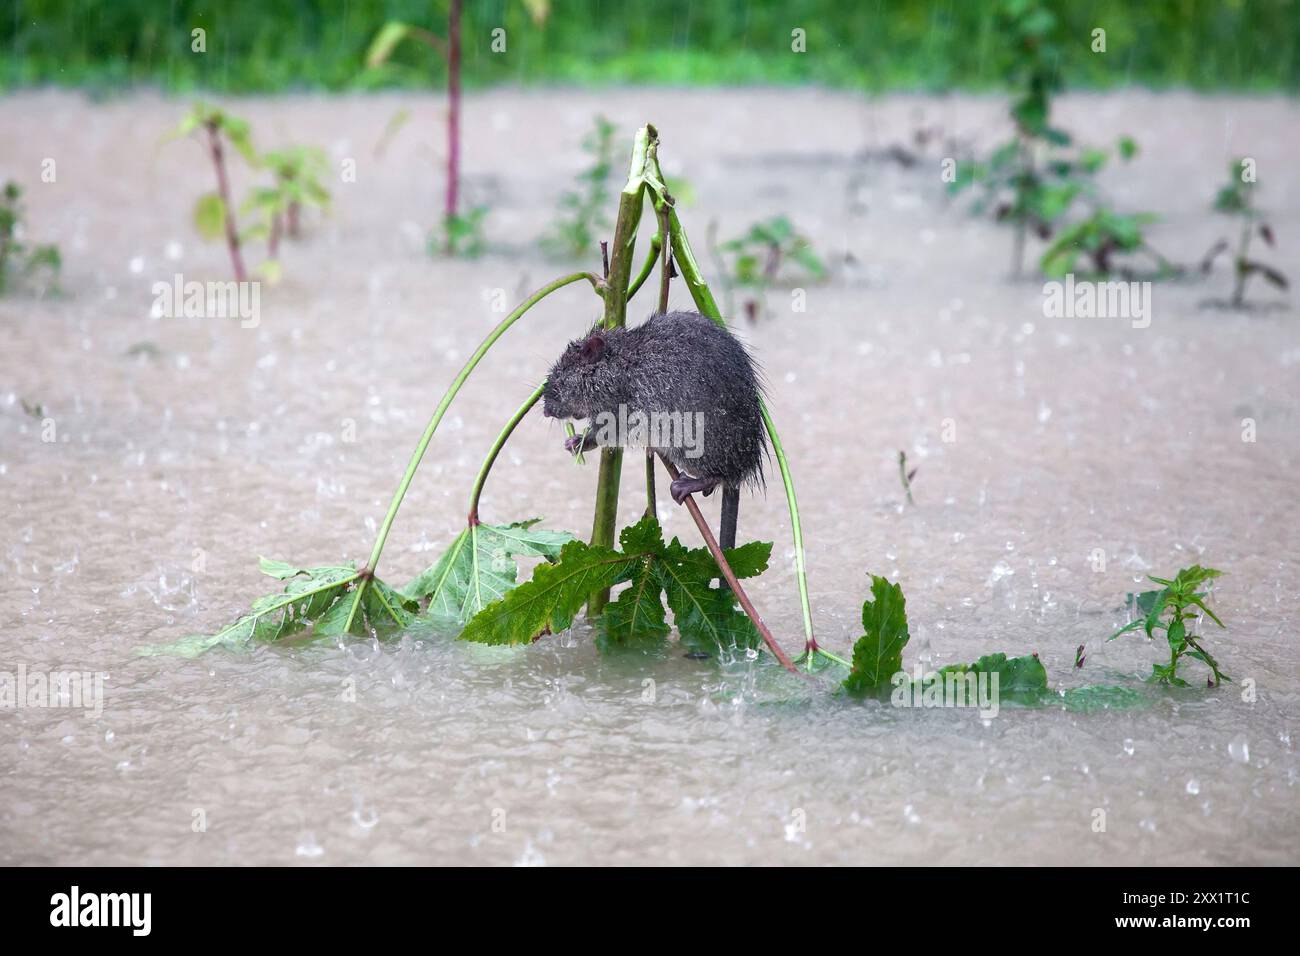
(277, 45)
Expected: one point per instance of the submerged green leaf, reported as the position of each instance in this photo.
(322, 598)
(1020, 680)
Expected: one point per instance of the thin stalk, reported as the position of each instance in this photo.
(665, 267)
(1243, 250)
(902, 476)
(223, 190)
(453, 118)
(604, 523)
(441, 410)
(495, 450)
(273, 241)
(650, 501)
(647, 267)
(712, 544)
(689, 270)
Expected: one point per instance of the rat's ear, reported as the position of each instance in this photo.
(593, 348)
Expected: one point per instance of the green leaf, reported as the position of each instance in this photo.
(1021, 680)
(1176, 635)
(548, 602)
(307, 596)
(706, 617)
(637, 616)
(385, 41)
(479, 568)
(1130, 626)
(878, 654)
(210, 216)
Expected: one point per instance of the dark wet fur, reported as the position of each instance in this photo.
(675, 362)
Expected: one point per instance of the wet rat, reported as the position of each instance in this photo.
(694, 383)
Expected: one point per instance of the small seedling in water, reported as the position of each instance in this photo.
(1170, 610)
(1015, 182)
(214, 213)
(1098, 239)
(298, 171)
(906, 476)
(297, 184)
(1237, 198)
(462, 235)
(758, 255)
(14, 253)
(583, 213)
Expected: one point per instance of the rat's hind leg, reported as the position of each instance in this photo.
(684, 485)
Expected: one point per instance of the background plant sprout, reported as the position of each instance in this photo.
(1016, 184)
(1237, 198)
(298, 171)
(584, 209)
(296, 183)
(461, 233)
(214, 213)
(758, 255)
(347, 598)
(15, 254)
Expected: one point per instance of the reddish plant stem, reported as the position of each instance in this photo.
(712, 544)
(453, 113)
(223, 190)
(273, 240)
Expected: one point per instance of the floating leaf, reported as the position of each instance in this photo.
(1021, 680)
(1102, 697)
(320, 596)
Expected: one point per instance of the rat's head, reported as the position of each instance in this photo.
(584, 380)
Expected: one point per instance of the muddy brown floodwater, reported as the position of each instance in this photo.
(145, 463)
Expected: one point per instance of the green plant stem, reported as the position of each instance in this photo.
(604, 523)
(689, 270)
(495, 450)
(441, 410)
(647, 267)
(650, 484)
(665, 267)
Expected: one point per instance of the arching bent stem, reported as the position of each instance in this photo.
(647, 267)
(495, 450)
(441, 410)
(714, 549)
